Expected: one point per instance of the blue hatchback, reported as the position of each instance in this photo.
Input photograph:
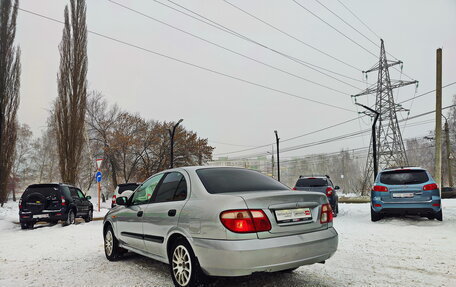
(403, 191)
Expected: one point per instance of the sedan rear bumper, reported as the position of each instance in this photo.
(243, 257)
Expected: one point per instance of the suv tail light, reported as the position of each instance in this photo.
(20, 203)
(245, 220)
(380, 188)
(114, 197)
(431, 186)
(326, 215)
(329, 191)
(63, 200)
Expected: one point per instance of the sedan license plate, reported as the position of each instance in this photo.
(293, 215)
(402, 195)
(41, 216)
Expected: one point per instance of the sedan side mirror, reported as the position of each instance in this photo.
(88, 197)
(336, 187)
(121, 200)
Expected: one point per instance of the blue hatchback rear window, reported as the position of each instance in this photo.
(404, 177)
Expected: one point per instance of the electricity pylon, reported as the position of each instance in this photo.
(390, 146)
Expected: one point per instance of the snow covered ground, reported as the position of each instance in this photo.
(392, 252)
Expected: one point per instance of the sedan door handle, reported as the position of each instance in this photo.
(171, 212)
(140, 213)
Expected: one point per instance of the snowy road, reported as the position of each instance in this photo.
(392, 252)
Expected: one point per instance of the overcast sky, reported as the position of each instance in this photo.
(232, 114)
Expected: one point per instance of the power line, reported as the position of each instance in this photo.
(192, 65)
(236, 53)
(365, 25)
(428, 92)
(348, 24)
(320, 142)
(337, 30)
(322, 129)
(340, 32)
(289, 139)
(289, 35)
(340, 137)
(225, 29)
(217, 142)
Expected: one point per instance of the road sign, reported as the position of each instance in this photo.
(98, 176)
(99, 161)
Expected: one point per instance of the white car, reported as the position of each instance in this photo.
(124, 189)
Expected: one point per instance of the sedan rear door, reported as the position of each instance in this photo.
(162, 215)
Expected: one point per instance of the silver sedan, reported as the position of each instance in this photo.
(219, 221)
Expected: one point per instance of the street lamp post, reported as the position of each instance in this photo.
(374, 139)
(278, 159)
(171, 134)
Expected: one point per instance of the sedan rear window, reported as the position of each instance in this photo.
(221, 180)
(311, 182)
(404, 177)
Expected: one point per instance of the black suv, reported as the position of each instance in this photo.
(321, 184)
(53, 202)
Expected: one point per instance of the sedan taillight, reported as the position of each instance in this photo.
(245, 220)
(326, 215)
(431, 186)
(329, 191)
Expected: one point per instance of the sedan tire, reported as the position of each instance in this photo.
(184, 266)
(111, 245)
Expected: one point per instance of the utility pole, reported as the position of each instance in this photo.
(272, 161)
(278, 158)
(171, 134)
(448, 153)
(390, 146)
(438, 119)
(374, 139)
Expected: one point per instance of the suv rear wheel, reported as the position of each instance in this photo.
(439, 215)
(25, 225)
(70, 218)
(375, 216)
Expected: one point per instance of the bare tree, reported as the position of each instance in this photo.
(10, 71)
(22, 159)
(100, 122)
(70, 107)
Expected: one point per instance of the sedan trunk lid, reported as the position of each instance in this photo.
(289, 212)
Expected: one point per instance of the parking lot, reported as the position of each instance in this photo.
(392, 252)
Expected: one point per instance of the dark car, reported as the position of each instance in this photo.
(53, 202)
(321, 184)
